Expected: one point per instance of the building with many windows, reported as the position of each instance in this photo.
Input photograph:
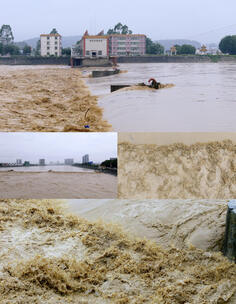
(109, 45)
(127, 45)
(85, 159)
(50, 44)
(42, 162)
(69, 161)
(19, 162)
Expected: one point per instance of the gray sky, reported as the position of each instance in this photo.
(57, 146)
(157, 18)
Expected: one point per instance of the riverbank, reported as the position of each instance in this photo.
(57, 185)
(90, 62)
(50, 256)
(50, 99)
(177, 59)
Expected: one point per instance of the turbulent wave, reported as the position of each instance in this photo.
(47, 256)
(47, 99)
(201, 170)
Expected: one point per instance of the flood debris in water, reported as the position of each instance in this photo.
(47, 256)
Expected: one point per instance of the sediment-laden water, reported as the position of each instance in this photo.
(47, 256)
(181, 223)
(202, 99)
(57, 185)
(43, 98)
(201, 170)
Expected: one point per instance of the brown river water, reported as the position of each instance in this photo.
(48, 255)
(202, 99)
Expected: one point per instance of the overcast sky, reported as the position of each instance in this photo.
(57, 146)
(157, 18)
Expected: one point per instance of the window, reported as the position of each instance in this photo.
(56, 53)
(87, 53)
(56, 37)
(100, 53)
(48, 43)
(48, 53)
(48, 37)
(48, 48)
(55, 47)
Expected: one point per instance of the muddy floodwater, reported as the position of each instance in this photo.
(203, 98)
(199, 170)
(50, 256)
(57, 185)
(47, 98)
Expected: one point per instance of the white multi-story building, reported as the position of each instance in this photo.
(50, 44)
(109, 45)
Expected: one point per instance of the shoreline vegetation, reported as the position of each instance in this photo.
(48, 99)
(49, 255)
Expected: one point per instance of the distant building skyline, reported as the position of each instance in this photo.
(69, 161)
(56, 146)
(85, 159)
(42, 162)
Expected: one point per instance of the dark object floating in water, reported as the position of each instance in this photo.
(118, 87)
(96, 74)
(153, 84)
(229, 248)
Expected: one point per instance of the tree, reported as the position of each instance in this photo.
(38, 47)
(66, 51)
(228, 45)
(185, 49)
(119, 29)
(11, 49)
(27, 50)
(1, 48)
(153, 48)
(6, 34)
(54, 31)
(110, 163)
(178, 49)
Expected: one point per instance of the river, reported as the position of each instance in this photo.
(203, 98)
(46, 169)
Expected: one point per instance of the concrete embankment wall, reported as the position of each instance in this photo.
(98, 62)
(27, 60)
(104, 62)
(176, 59)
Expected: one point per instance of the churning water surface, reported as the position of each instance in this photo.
(203, 98)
